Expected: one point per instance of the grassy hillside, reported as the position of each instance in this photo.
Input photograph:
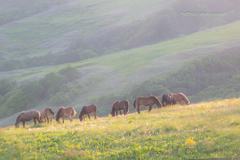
(69, 27)
(108, 78)
(203, 130)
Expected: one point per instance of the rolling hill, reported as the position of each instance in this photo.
(197, 131)
(55, 29)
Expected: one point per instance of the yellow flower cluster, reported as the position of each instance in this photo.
(190, 142)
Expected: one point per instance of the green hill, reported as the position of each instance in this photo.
(197, 131)
(119, 75)
(37, 48)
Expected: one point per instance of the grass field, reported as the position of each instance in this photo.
(203, 130)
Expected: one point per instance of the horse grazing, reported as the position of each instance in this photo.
(119, 106)
(146, 101)
(87, 110)
(179, 97)
(45, 113)
(65, 112)
(168, 99)
(27, 116)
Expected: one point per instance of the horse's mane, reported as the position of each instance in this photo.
(18, 117)
(82, 111)
(186, 100)
(51, 111)
(59, 113)
(156, 100)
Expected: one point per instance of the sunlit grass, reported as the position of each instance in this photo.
(203, 130)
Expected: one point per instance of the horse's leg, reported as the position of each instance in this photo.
(51, 119)
(34, 121)
(138, 108)
(120, 112)
(179, 102)
(47, 119)
(116, 112)
(89, 117)
(95, 115)
(23, 124)
(63, 119)
(150, 108)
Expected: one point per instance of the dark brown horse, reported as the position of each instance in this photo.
(119, 106)
(146, 101)
(87, 110)
(168, 99)
(179, 97)
(45, 113)
(65, 112)
(27, 116)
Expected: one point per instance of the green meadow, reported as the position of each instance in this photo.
(202, 130)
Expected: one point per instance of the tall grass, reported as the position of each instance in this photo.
(203, 130)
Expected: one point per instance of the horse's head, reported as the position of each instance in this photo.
(80, 118)
(113, 114)
(16, 125)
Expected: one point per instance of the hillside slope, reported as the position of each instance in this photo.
(203, 130)
(116, 74)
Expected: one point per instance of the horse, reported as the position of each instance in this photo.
(27, 116)
(168, 99)
(65, 112)
(45, 113)
(146, 101)
(87, 110)
(179, 97)
(119, 106)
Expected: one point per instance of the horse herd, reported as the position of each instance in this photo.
(169, 99)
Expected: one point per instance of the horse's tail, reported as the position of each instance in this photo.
(51, 111)
(95, 108)
(186, 100)
(134, 104)
(127, 106)
(74, 112)
(60, 110)
(113, 108)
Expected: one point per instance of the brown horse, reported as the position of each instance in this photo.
(27, 116)
(179, 97)
(87, 110)
(45, 113)
(119, 106)
(146, 101)
(168, 99)
(65, 112)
